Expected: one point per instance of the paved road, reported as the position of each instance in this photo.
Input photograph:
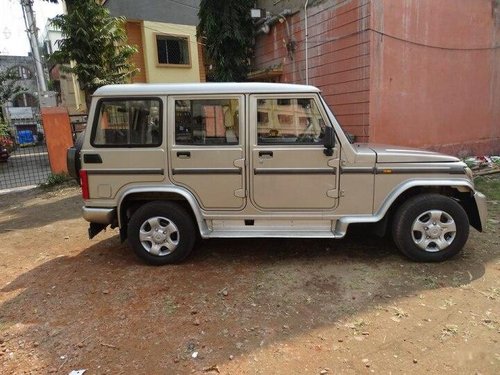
(26, 166)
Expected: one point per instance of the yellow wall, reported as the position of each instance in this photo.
(170, 74)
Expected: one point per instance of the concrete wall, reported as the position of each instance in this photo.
(339, 61)
(445, 98)
(169, 74)
(156, 10)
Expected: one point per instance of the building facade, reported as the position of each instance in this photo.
(24, 66)
(66, 85)
(419, 73)
(164, 33)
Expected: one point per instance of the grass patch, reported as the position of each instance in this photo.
(57, 180)
(489, 185)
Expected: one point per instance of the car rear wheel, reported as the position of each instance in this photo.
(161, 233)
(430, 228)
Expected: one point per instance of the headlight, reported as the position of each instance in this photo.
(469, 173)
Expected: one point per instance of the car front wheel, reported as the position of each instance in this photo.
(430, 228)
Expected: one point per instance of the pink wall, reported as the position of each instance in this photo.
(339, 61)
(446, 98)
(384, 89)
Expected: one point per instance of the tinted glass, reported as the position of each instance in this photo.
(128, 123)
(287, 121)
(207, 122)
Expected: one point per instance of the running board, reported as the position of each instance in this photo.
(271, 228)
(270, 234)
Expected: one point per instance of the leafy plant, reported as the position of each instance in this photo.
(227, 32)
(55, 179)
(96, 43)
(6, 139)
(8, 86)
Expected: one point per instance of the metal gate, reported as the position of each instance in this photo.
(24, 160)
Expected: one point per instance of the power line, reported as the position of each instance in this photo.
(433, 46)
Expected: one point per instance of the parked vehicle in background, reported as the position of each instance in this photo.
(4, 154)
(6, 146)
(166, 163)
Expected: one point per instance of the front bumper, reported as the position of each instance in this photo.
(482, 210)
(99, 215)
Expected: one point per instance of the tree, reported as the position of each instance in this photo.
(226, 29)
(9, 87)
(96, 44)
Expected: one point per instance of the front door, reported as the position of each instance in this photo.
(206, 154)
(288, 168)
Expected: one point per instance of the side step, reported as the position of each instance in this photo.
(269, 228)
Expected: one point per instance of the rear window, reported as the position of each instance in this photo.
(127, 123)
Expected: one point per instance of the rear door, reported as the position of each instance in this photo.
(126, 144)
(206, 148)
(288, 168)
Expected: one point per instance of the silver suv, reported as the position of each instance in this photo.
(166, 163)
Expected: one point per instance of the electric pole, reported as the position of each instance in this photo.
(31, 30)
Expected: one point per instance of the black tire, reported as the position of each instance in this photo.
(431, 243)
(164, 214)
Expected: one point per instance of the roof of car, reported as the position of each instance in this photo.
(202, 88)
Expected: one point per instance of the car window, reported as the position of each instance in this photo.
(207, 122)
(289, 121)
(128, 123)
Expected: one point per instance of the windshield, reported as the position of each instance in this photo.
(332, 117)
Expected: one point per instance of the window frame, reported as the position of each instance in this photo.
(171, 119)
(178, 36)
(254, 105)
(97, 115)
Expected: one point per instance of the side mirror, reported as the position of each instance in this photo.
(329, 141)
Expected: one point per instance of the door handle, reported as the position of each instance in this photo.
(92, 159)
(266, 154)
(183, 154)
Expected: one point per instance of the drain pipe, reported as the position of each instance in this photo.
(306, 42)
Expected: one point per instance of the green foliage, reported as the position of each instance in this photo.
(8, 85)
(6, 139)
(96, 43)
(490, 186)
(227, 31)
(4, 129)
(55, 179)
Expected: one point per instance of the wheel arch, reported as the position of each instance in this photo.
(462, 190)
(135, 197)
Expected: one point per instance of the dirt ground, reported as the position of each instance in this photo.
(265, 306)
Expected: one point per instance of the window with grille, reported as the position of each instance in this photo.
(172, 50)
(23, 72)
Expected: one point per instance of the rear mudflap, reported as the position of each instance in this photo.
(95, 229)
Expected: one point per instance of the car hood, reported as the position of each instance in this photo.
(397, 154)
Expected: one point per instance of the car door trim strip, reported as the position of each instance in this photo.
(198, 171)
(292, 171)
(126, 171)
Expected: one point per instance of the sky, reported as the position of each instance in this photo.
(13, 39)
